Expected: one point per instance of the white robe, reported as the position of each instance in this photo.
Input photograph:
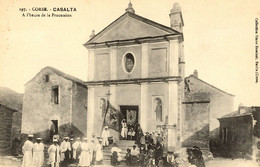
(64, 147)
(27, 154)
(99, 152)
(38, 155)
(75, 146)
(54, 155)
(84, 159)
(105, 135)
(124, 130)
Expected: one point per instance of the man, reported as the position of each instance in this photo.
(99, 152)
(71, 151)
(105, 135)
(197, 156)
(158, 153)
(27, 152)
(38, 155)
(54, 154)
(65, 149)
(91, 151)
(159, 138)
(76, 149)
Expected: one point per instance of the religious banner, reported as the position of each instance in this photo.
(131, 116)
(111, 118)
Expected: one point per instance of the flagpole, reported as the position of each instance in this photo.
(108, 94)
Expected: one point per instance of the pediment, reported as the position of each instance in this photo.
(131, 26)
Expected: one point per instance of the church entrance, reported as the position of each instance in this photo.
(130, 115)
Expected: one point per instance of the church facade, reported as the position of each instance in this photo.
(141, 64)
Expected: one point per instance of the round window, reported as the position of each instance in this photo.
(129, 62)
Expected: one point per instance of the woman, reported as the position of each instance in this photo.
(84, 159)
(124, 129)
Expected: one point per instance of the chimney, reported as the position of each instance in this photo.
(92, 34)
(196, 74)
(176, 17)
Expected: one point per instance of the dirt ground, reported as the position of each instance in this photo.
(217, 162)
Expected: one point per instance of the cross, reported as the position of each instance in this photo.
(108, 95)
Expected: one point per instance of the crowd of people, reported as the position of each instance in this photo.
(83, 152)
(148, 150)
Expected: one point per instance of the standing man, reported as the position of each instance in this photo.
(76, 149)
(158, 152)
(65, 149)
(71, 150)
(99, 152)
(105, 135)
(38, 155)
(54, 154)
(27, 152)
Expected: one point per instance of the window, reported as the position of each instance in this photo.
(47, 78)
(55, 93)
(225, 135)
(128, 62)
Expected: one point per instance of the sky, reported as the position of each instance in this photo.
(219, 39)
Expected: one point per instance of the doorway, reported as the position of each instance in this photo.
(130, 114)
(54, 128)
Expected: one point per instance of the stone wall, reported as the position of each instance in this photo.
(79, 110)
(221, 103)
(39, 108)
(238, 141)
(195, 120)
(5, 129)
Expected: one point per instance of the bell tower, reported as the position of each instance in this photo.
(176, 17)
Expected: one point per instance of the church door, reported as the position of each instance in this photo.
(130, 114)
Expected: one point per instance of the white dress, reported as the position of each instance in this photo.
(84, 159)
(124, 130)
(54, 155)
(27, 154)
(38, 155)
(99, 152)
(105, 135)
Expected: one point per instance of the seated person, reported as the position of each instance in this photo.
(135, 154)
(115, 155)
(128, 157)
(170, 160)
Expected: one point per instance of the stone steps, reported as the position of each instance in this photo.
(122, 144)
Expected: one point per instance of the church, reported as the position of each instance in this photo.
(141, 64)
(136, 67)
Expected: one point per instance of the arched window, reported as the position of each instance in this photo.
(158, 108)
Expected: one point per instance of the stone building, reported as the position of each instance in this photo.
(141, 63)
(10, 115)
(54, 103)
(138, 66)
(240, 133)
(201, 96)
(6, 120)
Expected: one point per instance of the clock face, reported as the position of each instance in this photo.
(129, 62)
